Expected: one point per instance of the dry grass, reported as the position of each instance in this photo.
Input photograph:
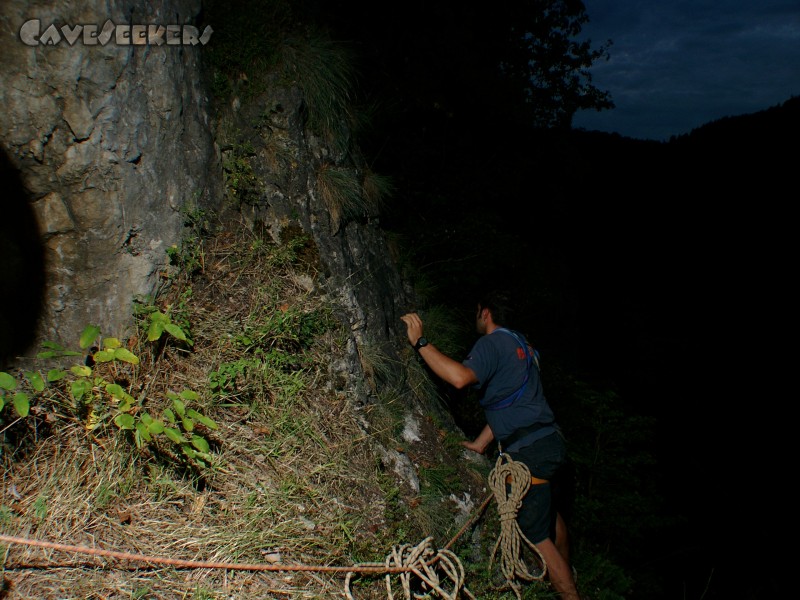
(295, 477)
(342, 193)
(292, 475)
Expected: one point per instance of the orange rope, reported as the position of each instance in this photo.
(195, 564)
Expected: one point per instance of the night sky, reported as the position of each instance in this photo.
(677, 65)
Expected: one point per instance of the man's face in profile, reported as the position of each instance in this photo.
(480, 320)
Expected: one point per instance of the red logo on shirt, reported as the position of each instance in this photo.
(521, 354)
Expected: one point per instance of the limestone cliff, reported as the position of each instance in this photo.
(109, 142)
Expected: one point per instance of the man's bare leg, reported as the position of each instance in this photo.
(558, 571)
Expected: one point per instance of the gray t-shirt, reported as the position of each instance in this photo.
(500, 364)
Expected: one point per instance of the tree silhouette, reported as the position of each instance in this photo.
(549, 64)
(522, 58)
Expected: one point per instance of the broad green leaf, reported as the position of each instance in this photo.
(103, 356)
(188, 451)
(169, 415)
(81, 370)
(146, 418)
(200, 443)
(46, 354)
(174, 435)
(154, 331)
(79, 388)
(7, 382)
(22, 404)
(179, 406)
(111, 343)
(188, 424)
(118, 392)
(125, 421)
(35, 379)
(56, 375)
(175, 331)
(159, 317)
(172, 395)
(125, 405)
(189, 395)
(126, 355)
(115, 390)
(2, 401)
(89, 335)
(52, 346)
(200, 418)
(156, 427)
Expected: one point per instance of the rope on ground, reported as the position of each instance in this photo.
(509, 482)
(428, 565)
(404, 561)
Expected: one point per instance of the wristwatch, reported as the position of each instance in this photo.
(420, 343)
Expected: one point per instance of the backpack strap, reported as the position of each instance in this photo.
(531, 357)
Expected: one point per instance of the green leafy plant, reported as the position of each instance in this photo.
(157, 323)
(10, 395)
(178, 424)
(241, 180)
(101, 393)
(160, 323)
(222, 380)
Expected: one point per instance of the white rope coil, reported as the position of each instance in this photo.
(509, 482)
(431, 573)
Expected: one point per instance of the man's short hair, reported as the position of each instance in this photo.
(499, 304)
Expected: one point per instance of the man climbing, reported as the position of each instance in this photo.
(504, 369)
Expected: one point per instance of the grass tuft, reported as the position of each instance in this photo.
(324, 71)
(341, 192)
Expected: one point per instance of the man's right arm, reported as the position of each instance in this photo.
(452, 371)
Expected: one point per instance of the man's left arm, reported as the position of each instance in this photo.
(481, 442)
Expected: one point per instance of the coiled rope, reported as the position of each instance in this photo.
(509, 482)
(426, 564)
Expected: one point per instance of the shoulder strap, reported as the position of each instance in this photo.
(531, 353)
(531, 356)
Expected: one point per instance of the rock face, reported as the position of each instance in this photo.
(276, 160)
(108, 149)
(109, 143)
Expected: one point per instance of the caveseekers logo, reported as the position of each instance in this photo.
(31, 33)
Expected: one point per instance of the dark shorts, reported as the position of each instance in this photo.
(537, 515)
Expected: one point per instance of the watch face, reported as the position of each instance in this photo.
(421, 342)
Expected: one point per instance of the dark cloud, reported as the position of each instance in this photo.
(677, 65)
